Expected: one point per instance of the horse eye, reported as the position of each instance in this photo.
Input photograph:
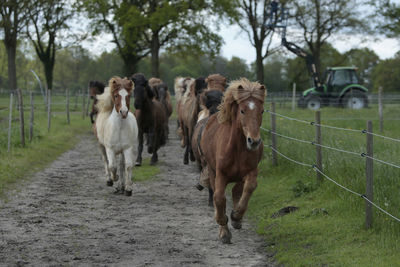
(242, 111)
(116, 96)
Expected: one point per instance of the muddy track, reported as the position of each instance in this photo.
(65, 215)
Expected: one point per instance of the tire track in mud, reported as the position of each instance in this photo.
(65, 215)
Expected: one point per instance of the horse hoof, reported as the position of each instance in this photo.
(138, 163)
(199, 187)
(237, 224)
(110, 183)
(211, 204)
(128, 193)
(153, 162)
(185, 161)
(225, 235)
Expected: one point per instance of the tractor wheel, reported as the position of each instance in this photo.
(355, 99)
(313, 102)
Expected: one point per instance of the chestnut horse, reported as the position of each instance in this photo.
(232, 148)
(188, 111)
(151, 118)
(116, 130)
(212, 99)
(95, 88)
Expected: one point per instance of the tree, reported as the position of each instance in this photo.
(319, 20)
(46, 19)
(252, 17)
(13, 15)
(140, 28)
(365, 60)
(387, 74)
(389, 19)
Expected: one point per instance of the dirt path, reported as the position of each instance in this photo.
(65, 215)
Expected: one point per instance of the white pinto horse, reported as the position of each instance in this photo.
(117, 132)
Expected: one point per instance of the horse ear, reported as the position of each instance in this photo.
(150, 92)
(262, 87)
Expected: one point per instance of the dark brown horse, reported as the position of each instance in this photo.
(232, 148)
(151, 118)
(212, 99)
(163, 96)
(95, 88)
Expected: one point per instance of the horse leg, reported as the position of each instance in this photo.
(151, 141)
(156, 142)
(192, 158)
(237, 191)
(210, 197)
(140, 149)
(249, 186)
(128, 157)
(112, 166)
(105, 160)
(220, 209)
(120, 187)
(186, 138)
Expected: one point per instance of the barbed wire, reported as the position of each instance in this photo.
(314, 167)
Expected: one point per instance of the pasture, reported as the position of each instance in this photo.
(329, 226)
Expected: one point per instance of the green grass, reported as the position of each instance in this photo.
(42, 150)
(328, 229)
(146, 172)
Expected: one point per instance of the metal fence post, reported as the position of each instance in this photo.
(273, 136)
(369, 173)
(318, 140)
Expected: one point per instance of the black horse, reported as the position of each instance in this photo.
(95, 88)
(150, 116)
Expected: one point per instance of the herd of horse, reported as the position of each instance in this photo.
(218, 124)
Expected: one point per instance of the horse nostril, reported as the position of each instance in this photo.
(249, 140)
(257, 142)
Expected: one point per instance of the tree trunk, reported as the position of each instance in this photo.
(130, 66)
(155, 61)
(12, 70)
(48, 70)
(259, 65)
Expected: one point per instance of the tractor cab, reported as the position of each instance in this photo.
(341, 88)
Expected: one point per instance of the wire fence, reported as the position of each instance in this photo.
(273, 147)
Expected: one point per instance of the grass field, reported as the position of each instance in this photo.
(45, 146)
(328, 228)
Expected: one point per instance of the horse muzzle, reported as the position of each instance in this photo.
(124, 113)
(253, 144)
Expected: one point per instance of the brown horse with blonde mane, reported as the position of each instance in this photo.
(231, 147)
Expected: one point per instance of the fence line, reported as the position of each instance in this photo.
(332, 148)
(333, 127)
(333, 181)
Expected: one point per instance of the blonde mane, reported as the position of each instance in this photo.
(238, 91)
(105, 102)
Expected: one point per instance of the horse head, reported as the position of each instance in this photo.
(216, 82)
(121, 90)
(161, 90)
(142, 92)
(199, 85)
(95, 88)
(212, 99)
(243, 105)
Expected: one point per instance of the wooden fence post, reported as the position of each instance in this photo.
(67, 95)
(273, 136)
(369, 173)
(83, 104)
(318, 140)
(48, 110)
(380, 109)
(9, 122)
(294, 97)
(21, 117)
(31, 117)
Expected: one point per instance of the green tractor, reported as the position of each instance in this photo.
(341, 89)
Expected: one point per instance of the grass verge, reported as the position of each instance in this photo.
(146, 172)
(328, 228)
